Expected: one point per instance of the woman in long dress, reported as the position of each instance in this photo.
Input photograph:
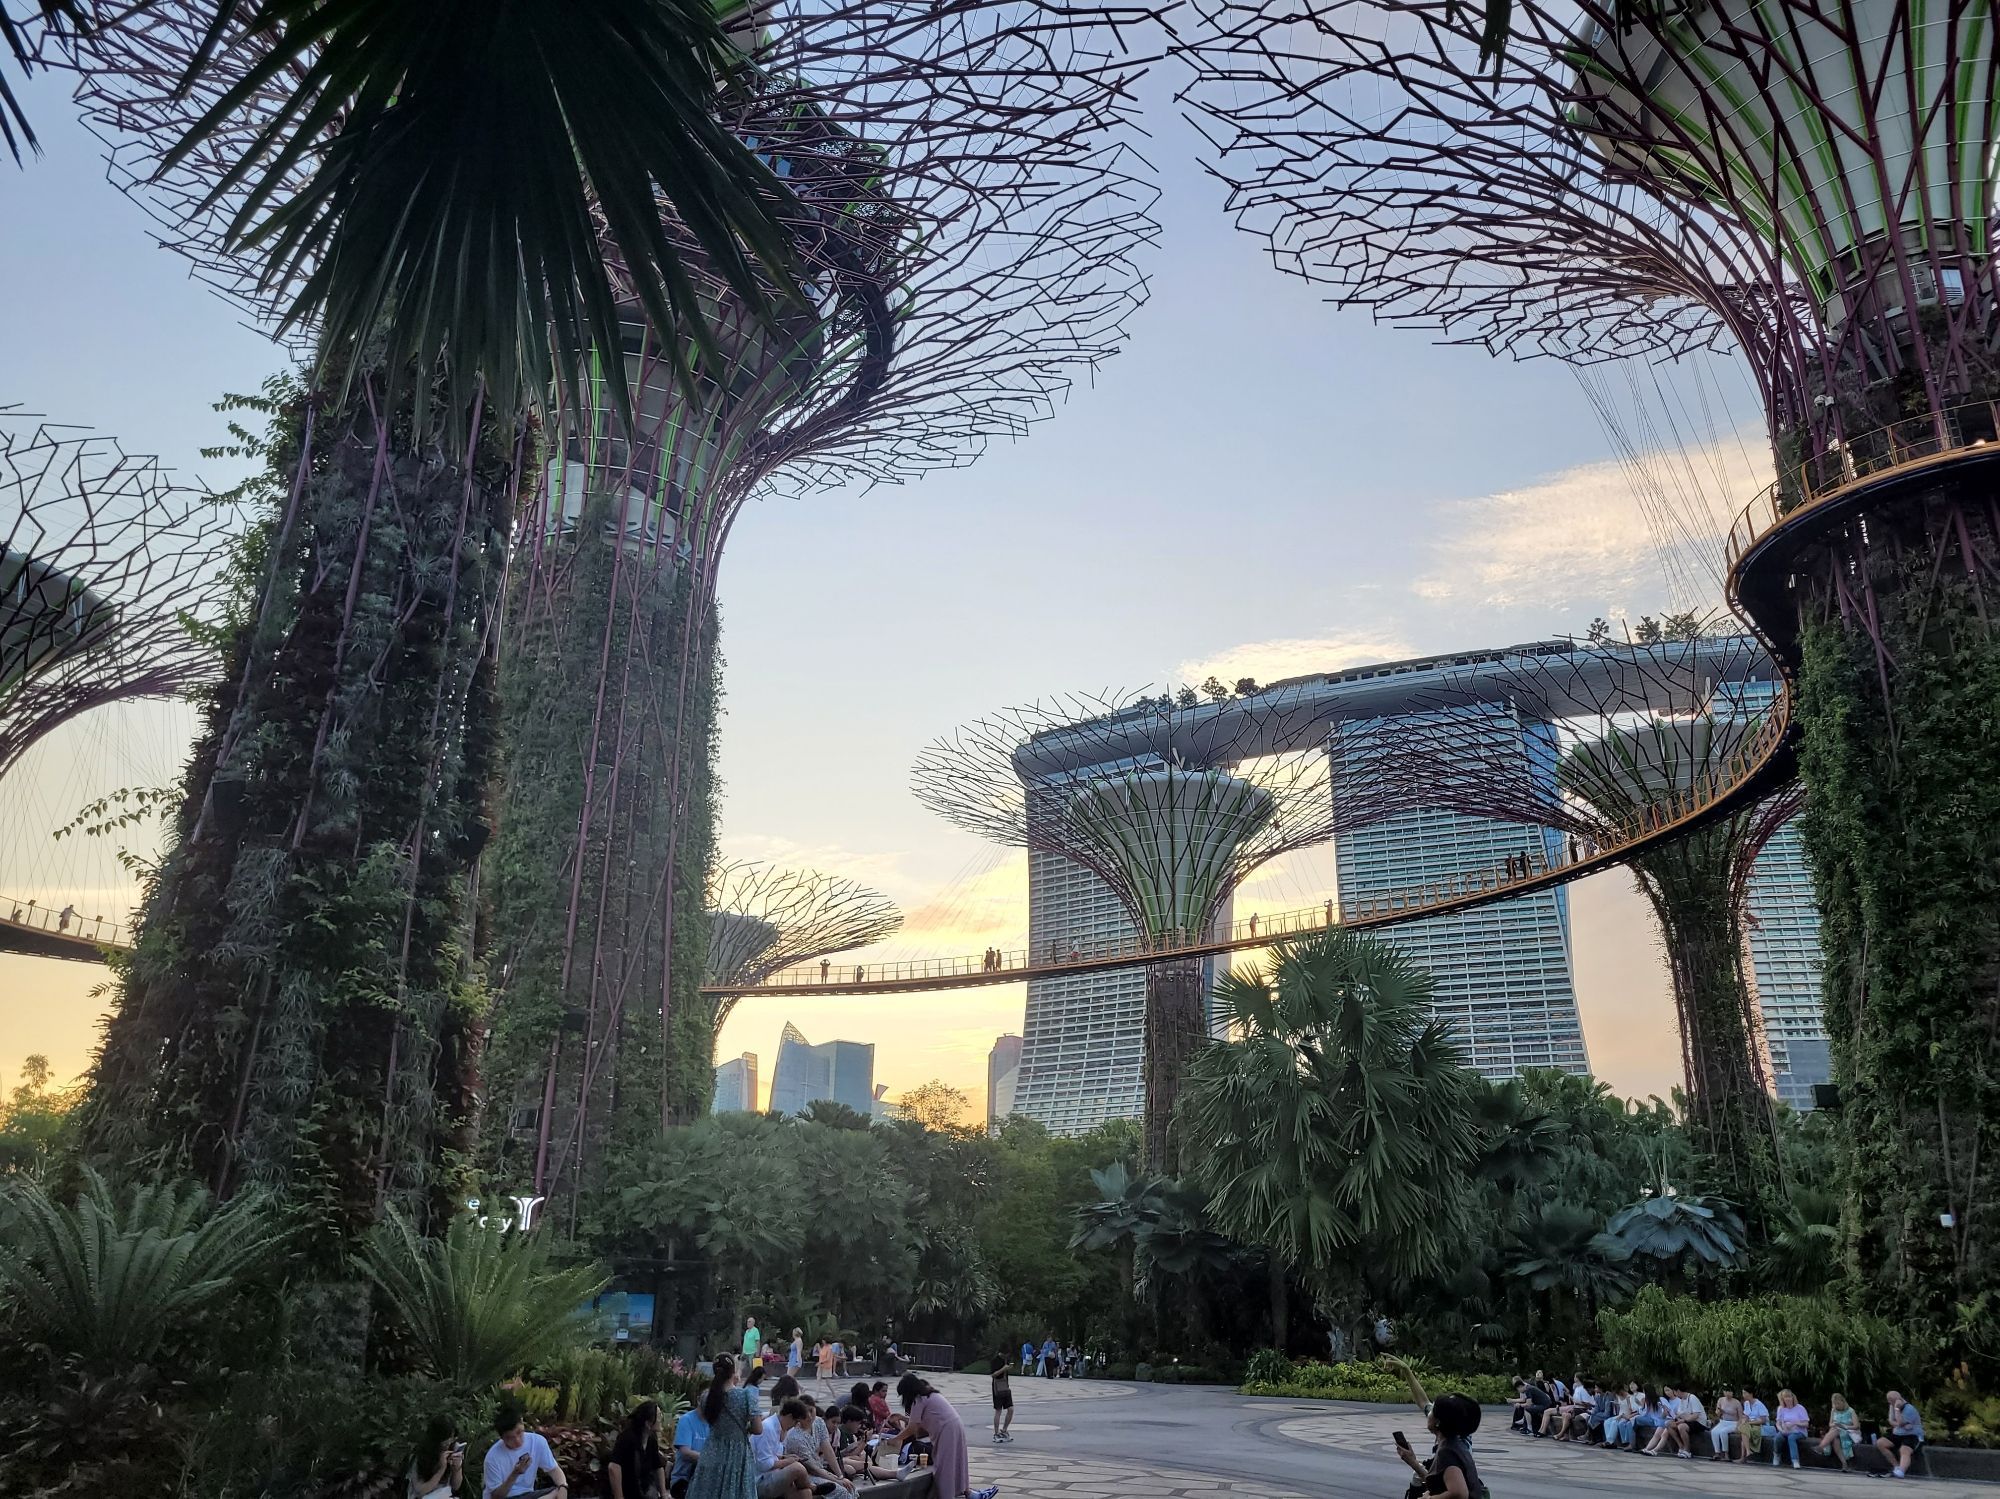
(932, 1417)
(728, 1468)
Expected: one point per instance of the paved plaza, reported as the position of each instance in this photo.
(1099, 1439)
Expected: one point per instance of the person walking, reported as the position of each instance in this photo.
(727, 1469)
(1003, 1402)
(823, 1365)
(795, 1353)
(1027, 1359)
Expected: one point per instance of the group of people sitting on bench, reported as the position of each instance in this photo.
(1677, 1421)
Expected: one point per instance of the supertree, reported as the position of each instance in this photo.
(1643, 737)
(962, 221)
(1171, 806)
(762, 918)
(108, 572)
(970, 249)
(1808, 185)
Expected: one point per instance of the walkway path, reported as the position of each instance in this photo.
(1098, 1438)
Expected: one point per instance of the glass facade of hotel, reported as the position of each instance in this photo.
(1502, 972)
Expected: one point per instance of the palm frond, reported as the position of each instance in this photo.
(446, 176)
(111, 1277)
(479, 1304)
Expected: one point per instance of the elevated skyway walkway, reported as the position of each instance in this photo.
(40, 931)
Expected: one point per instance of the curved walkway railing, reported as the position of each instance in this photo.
(1825, 479)
(1736, 780)
(45, 931)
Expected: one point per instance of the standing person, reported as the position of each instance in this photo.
(1027, 1359)
(1905, 1439)
(636, 1468)
(753, 1340)
(515, 1463)
(931, 1417)
(1049, 1356)
(824, 1364)
(1003, 1402)
(1840, 1426)
(795, 1354)
(690, 1436)
(727, 1469)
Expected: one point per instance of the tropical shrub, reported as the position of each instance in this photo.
(115, 1278)
(1267, 1366)
(1810, 1343)
(1380, 1382)
(478, 1305)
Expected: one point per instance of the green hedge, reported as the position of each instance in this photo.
(1810, 1343)
(1376, 1382)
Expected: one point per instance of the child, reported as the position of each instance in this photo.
(1003, 1401)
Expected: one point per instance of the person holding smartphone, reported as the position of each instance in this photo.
(438, 1464)
(1451, 1420)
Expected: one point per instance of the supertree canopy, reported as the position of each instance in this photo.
(106, 569)
(762, 918)
(1653, 741)
(963, 219)
(1171, 806)
(1809, 185)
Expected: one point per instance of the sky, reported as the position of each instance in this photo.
(1259, 484)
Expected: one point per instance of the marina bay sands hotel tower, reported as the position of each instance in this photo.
(1502, 972)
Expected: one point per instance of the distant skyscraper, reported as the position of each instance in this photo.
(736, 1085)
(1501, 972)
(842, 1071)
(1003, 1074)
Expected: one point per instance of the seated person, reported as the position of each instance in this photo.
(778, 1476)
(1603, 1411)
(690, 1436)
(802, 1446)
(1756, 1428)
(437, 1465)
(1794, 1425)
(1840, 1429)
(1728, 1422)
(637, 1469)
(1690, 1418)
(886, 1420)
(1665, 1414)
(515, 1464)
(852, 1446)
(1906, 1435)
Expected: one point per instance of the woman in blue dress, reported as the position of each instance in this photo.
(728, 1468)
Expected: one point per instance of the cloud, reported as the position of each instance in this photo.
(1275, 660)
(1582, 537)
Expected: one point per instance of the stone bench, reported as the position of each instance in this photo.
(920, 1485)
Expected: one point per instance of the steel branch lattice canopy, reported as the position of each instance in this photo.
(1810, 184)
(105, 566)
(762, 919)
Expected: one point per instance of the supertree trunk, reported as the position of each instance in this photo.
(580, 958)
(1899, 705)
(299, 1013)
(1176, 1028)
(1729, 1110)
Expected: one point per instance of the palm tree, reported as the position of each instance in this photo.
(1333, 1128)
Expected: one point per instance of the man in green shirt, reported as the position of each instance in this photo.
(753, 1340)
